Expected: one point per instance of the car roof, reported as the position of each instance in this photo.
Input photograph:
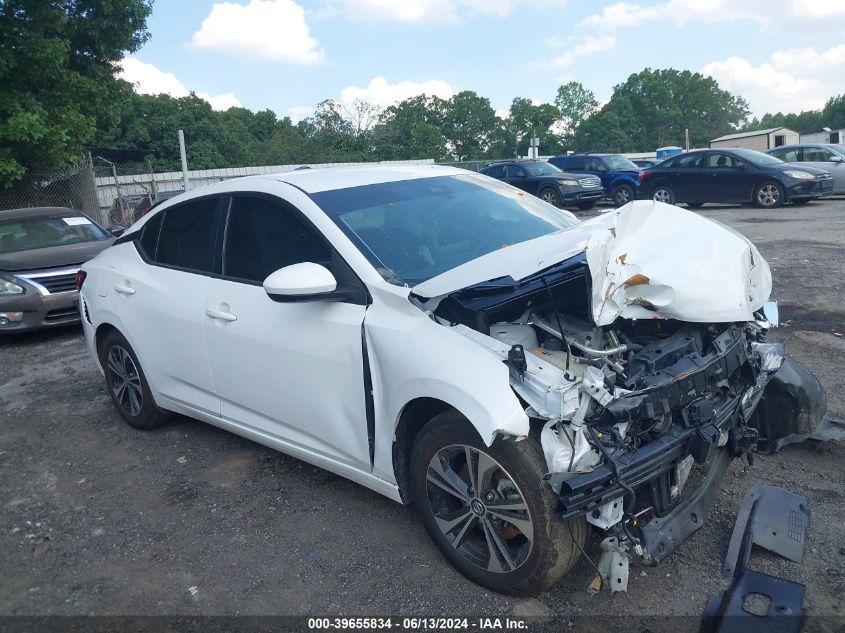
(332, 178)
(515, 160)
(31, 212)
(834, 145)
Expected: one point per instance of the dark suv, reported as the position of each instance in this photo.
(548, 183)
(619, 176)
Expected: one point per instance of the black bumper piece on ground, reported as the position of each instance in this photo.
(774, 519)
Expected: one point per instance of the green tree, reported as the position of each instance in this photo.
(653, 107)
(469, 125)
(525, 118)
(411, 129)
(57, 76)
(574, 103)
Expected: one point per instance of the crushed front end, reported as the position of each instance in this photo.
(625, 411)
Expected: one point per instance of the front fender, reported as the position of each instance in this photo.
(792, 406)
(411, 356)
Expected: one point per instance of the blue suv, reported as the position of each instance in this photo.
(619, 176)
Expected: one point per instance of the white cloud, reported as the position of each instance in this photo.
(809, 59)
(221, 102)
(585, 46)
(619, 15)
(766, 88)
(298, 113)
(149, 80)
(438, 11)
(263, 29)
(766, 14)
(382, 93)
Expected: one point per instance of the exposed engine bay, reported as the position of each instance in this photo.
(622, 411)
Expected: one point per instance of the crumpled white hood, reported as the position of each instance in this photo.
(675, 263)
(646, 259)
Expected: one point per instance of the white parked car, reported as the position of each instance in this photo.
(449, 341)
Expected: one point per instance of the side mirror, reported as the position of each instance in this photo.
(836, 159)
(300, 282)
(117, 230)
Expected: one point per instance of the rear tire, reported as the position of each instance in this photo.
(622, 194)
(551, 196)
(465, 492)
(127, 384)
(769, 195)
(662, 193)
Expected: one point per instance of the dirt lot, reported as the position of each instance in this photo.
(98, 518)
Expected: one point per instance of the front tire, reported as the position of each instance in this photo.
(769, 195)
(551, 196)
(622, 194)
(127, 384)
(662, 193)
(488, 510)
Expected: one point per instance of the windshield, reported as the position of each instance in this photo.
(756, 158)
(618, 162)
(540, 169)
(42, 231)
(413, 230)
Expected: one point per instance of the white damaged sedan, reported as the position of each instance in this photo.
(451, 342)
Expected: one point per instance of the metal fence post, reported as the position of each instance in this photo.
(153, 187)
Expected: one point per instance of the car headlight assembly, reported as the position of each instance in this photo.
(799, 175)
(569, 183)
(9, 287)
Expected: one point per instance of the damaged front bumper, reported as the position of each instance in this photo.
(772, 411)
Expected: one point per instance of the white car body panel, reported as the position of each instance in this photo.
(293, 370)
(236, 373)
(721, 278)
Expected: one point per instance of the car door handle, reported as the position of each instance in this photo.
(220, 315)
(124, 290)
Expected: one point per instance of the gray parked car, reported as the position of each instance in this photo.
(825, 156)
(41, 250)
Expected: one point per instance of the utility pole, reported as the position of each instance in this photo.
(184, 158)
(686, 138)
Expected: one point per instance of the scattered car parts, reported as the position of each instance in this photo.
(777, 520)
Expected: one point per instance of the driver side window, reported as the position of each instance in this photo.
(514, 171)
(263, 235)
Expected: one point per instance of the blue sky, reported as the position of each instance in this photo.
(287, 55)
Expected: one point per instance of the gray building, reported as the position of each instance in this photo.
(825, 136)
(761, 140)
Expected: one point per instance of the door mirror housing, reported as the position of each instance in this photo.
(300, 282)
(117, 230)
(836, 159)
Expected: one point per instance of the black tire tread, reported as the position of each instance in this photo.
(151, 416)
(559, 551)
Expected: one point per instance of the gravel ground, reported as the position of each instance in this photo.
(97, 518)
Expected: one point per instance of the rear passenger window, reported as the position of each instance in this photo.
(188, 236)
(149, 236)
(575, 164)
(263, 236)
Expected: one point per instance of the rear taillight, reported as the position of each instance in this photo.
(80, 278)
(643, 174)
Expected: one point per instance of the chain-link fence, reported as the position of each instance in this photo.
(471, 165)
(73, 187)
(127, 190)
